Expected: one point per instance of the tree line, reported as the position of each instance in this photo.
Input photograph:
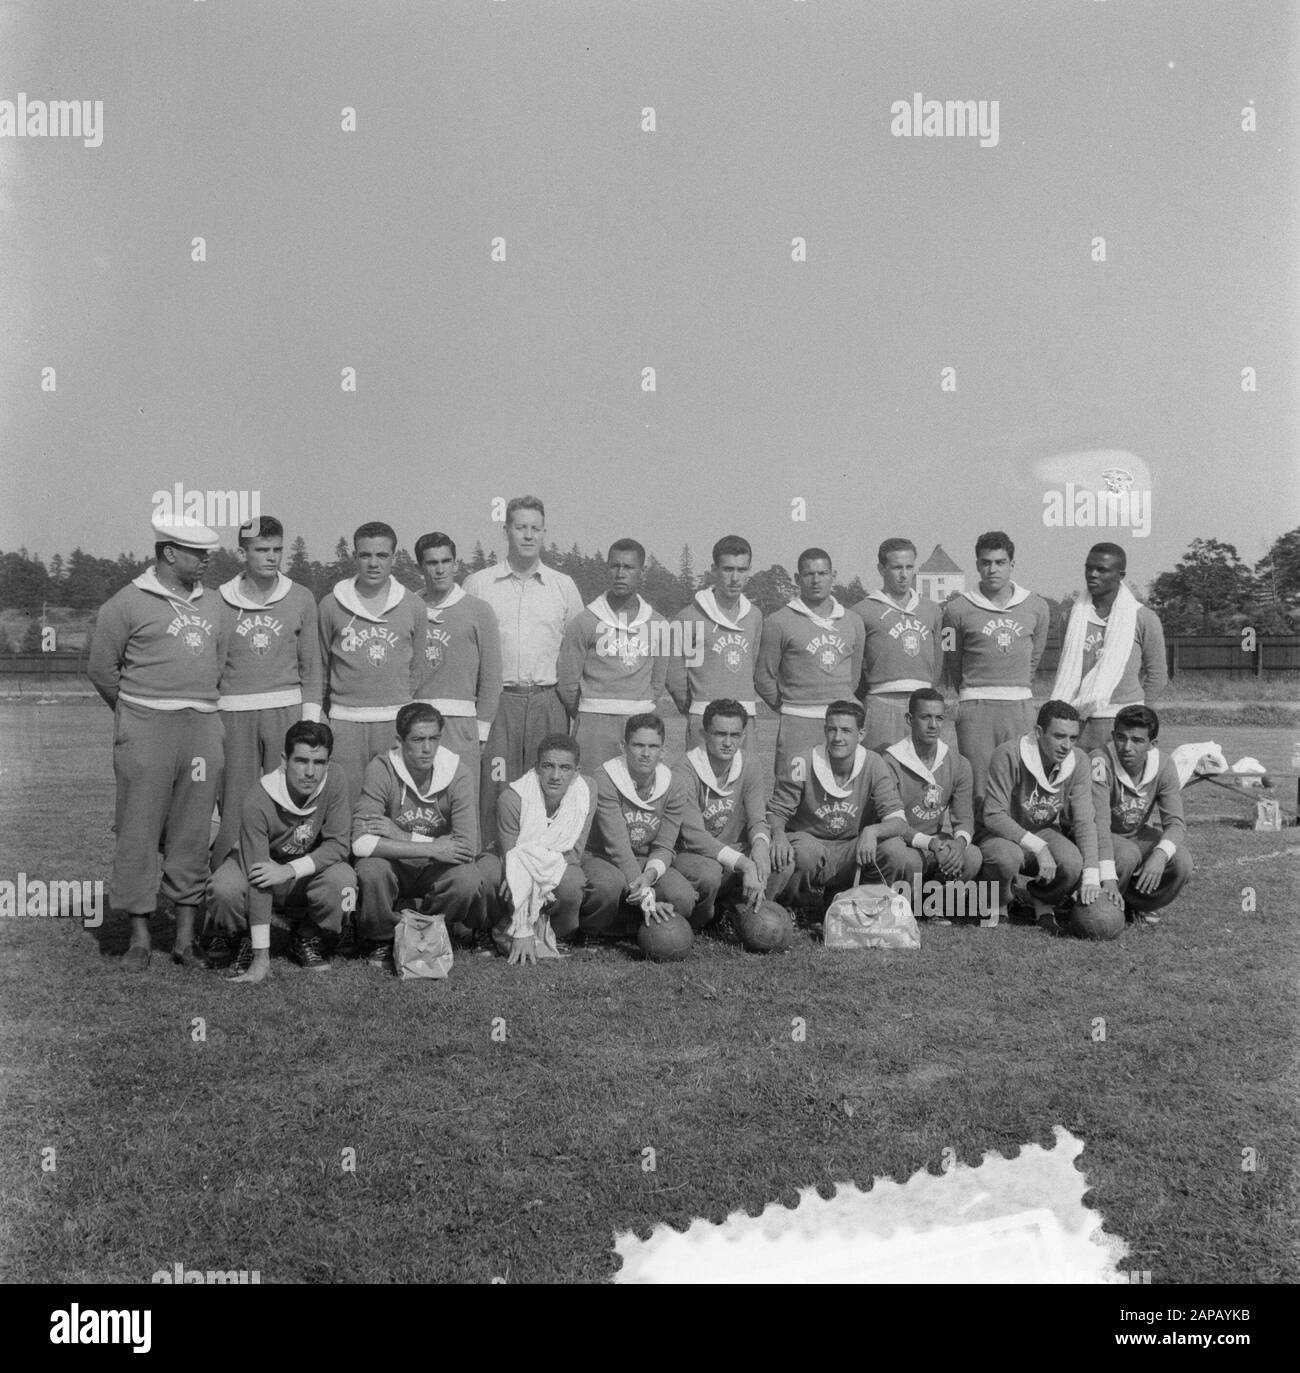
(1211, 590)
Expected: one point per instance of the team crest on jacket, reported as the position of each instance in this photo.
(435, 645)
(299, 840)
(258, 630)
(1128, 811)
(911, 635)
(642, 826)
(829, 650)
(933, 795)
(1042, 807)
(191, 631)
(716, 814)
(1004, 631)
(374, 641)
(733, 648)
(628, 646)
(836, 816)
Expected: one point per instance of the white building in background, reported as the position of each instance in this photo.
(939, 577)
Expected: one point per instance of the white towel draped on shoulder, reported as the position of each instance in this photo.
(536, 863)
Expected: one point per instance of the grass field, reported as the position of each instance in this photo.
(519, 1158)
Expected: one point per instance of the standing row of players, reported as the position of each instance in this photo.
(203, 692)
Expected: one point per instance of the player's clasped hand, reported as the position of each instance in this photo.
(452, 849)
(1046, 867)
(948, 854)
(268, 874)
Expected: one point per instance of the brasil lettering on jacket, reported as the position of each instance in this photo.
(1003, 630)
(428, 820)
(190, 629)
(732, 647)
(838, 816)
(717, 813)
(828, 649)
(258, 629)
(1042, 807)
(436, 644)
(913, 634)
(374, 641)
(642, 825)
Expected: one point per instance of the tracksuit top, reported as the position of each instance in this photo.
(997, 647)
(901, 650)
(156, 648)
(273, 652)
(1021, 798)
(808, 659)
(610, 664)
(461, 672)
(309, 836)
(274, 828)
(827, 809)
(1124, 807)
(927, 793)
(721, 821)
(1145, 673)
(728, 645)
(631, 831)
(445, 806)
(372, 662)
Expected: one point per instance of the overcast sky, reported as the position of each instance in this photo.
(775, 380)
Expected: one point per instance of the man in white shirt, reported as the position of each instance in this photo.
(533, 603)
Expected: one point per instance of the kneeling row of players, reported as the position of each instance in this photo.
(641, 841)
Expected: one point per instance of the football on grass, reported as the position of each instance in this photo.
(665, 941)
(1102, 920)
(764, 928)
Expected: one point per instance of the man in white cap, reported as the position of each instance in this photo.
(156, 658)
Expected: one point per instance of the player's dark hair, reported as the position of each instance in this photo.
(923, 694)
(417, 713)
(993, 541)
(375, 529)
(435, 540)
(263, 527)
(812, 555)
(853, 708)
(1139, 717)
(1111, 550)
(525, 503)
(309, 732)
(732, 546)
(728, 709)
(647, 721)
(626, 546)
(559, 743)
(894, 546)
(1057, 710)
